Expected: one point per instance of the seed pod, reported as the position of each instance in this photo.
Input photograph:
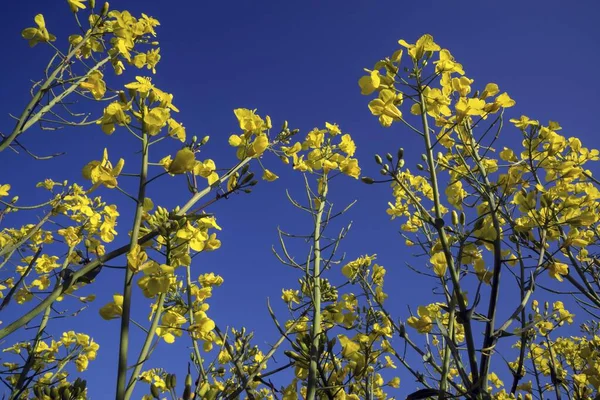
(66, 394)
(54, 395)
(378, 159)
(171, 381)
(247, 178)
(367, 180)
(38, 391)
(154, 391)
(293, 355)
(187, 390)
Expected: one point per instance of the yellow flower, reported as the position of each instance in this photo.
(183, 162)
(136, 258)
(438, 260)
(156, 119)
(347, 145)
(350, 167)
(423, 45)
(447, 64)
(269, 176)
(157, 279)
(94, 84)
(249, 121)
(39, 34)
(81, 362)
(210, 279)
(395, 383)
(75, 5)
(368, 84)
(114, 114)
(349, 347)
(385, 108)
(176, 130)
(114, 309)
(259, 146)
(290, 296)
(4, 189)
(206, 169)
(557, 270)
(202, 326)
(102, 172)
(334, 129)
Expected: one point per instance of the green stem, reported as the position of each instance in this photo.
(19, 388)
(454, 274)
(188, 277)
(447, 352)
(127, 286)
(143, 356)
(30, 233)
(26, 120)
(311, 389)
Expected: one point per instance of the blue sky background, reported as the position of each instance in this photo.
(298, 61)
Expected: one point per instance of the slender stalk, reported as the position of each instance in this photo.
(150, 334)
(188, 277)
(311, 389)
(30, 233)
(26, 120)
(447, 351)
(20, 387)
(454, 274)
(127, 286)
(143, 356)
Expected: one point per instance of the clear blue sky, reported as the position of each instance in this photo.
(298, 61)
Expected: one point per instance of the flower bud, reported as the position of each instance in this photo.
(367, 180)
(389, 157)
(454, 217)
(92, 3)
(268, 122)
(420, 167)
(285, 126)
(378, 159)
(400, 153)
(104, 9)
(204, 140)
